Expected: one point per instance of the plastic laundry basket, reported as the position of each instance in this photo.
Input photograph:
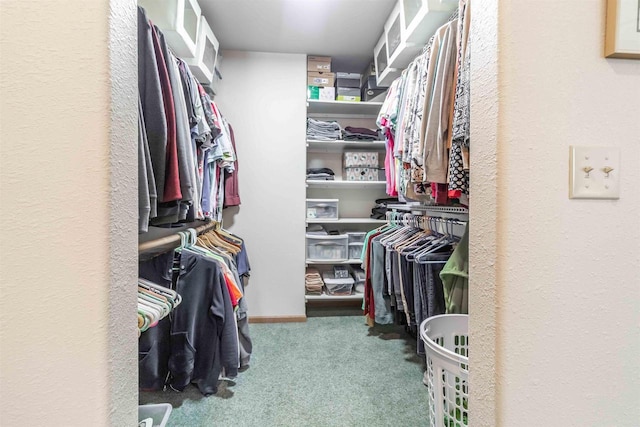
(159, 412)
(447, 349)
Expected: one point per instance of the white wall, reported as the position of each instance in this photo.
(67, 354)
(263, 97)
(567, 278)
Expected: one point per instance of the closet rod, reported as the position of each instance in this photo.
(173, 240)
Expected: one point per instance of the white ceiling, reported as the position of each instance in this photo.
(346, 30)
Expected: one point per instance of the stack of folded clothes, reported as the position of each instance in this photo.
(313, 282)
(379, 211)
(320, 174)
(323, 131)
(351, 133)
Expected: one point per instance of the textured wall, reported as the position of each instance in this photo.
(61, 348)
(567, 280)
(123, 228)
(485, 208)
(263, 96)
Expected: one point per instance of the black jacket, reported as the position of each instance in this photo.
(203, 336)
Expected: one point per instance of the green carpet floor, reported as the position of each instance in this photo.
(329, 371)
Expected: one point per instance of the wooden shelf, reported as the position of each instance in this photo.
(345, 184)
(315, 106)
(346, 221)
(325, 297)
(338, 146)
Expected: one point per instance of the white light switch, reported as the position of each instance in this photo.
(594, 173)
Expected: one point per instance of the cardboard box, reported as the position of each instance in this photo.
(350, 83)
(347, 91)
(321, 93)
(327, 93)
(320, 79)
(319, 63)
(348, 75)
(348, 98)
(313, 92)
(371, 94)
(371, 82)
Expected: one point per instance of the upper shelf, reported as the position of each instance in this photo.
(345, 184)
(315, 106)
(339, 146)
(345, 221)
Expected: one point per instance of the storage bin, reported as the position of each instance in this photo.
(421, 18)
(217, 77)
(159, 412)
(361, 159)
(356, 236)
(178, 20)
(380, 57)
(340, 271)
(327, 248)
(338, 286)
(362, 174)
(322, 209)
(393, 31)
(355, 250)
(370, 94)
(370, 83)
(359, 275)
(203, 64)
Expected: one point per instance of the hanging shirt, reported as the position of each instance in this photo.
(172, 175)
(152, 103)
(231, 187)
(147, 196)
(437, 126)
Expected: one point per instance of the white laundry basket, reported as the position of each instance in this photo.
(446, 343)
(158, 412)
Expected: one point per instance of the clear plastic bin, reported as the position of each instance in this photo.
(322, 209)
(355, 250)
(327, 248)
(338, 286)
(356, 236)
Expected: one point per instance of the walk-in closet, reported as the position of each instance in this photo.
(303, 208)
(319, 213)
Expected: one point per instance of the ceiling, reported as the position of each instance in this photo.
(346, 30)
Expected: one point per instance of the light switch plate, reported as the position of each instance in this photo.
(594, 173)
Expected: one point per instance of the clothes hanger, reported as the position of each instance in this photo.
(216, 241)
(398, 232)
(170, 294)
(440, 243)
